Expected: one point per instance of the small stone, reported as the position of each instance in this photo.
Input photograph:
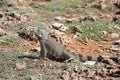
(78, 29)
(12, 15)
(57, 25)
(103, 5)
(66, 75)
(104, 32)
(117, 42)
(116, 19)
(27, 53)
(74, 76)
(17, 16)
(108, 17)
(20, 65)
(36, 49)
(92, 17)
(115, 35)
(77, 35)
(108, 61)
(60, 27)
(91, 63)
(72, 19)
(91, 74)
(63, 28)
(59, 18)
(1, 15)
(115, 48)
(2, 32)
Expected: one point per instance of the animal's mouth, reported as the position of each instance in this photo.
(36, 32)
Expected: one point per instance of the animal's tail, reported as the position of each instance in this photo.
(93, 58)
(90, 58)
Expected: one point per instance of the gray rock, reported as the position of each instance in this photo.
(2, 32)
(117, 42)
(78, 29)
(72, 19)
(115, 35)
(104, 32)
(59, 26)
(91, 63)
(59, 18)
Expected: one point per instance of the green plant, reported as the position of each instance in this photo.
(35, 23)
(92, 29)
(3, 3)
(11, 40)
(110, 7)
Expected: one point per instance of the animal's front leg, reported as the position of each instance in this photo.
(43, 51)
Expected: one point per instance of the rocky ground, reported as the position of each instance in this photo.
(91, 28)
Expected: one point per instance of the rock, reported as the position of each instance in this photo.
(108, 61)
(108, 17)
(74, 76)
(17, 16)
(104, 32)
(63, 29)
(117, 27)
(116, 19)
(27, 33)
(57, 25)
(11, 15)
(117, 12)
(60, 27)
(27, 53)
(91, 63)
(61, 37)
(36, 49)
(117, 42)
(56, 34)
(1, 15)
(2, 32)
(115, 48)
(81, 18)
(99, 4)
(76, 35)
(12, 3)
(65, 75)
(20, 65)
(91, 74)
(92, 17)
(72, 19)
(115, 35)
(102, 72)
(78, 29)
(117, 4)
(59, 18)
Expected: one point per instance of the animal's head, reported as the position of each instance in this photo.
(42, 34)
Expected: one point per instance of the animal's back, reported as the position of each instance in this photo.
(54, 48)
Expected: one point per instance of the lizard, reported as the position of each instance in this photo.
(54, 50)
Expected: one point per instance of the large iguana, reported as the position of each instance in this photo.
(54, 50)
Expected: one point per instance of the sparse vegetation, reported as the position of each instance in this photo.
(17, 63)
(110, 7)
(11, 40)
(3, 3)
(92, 29)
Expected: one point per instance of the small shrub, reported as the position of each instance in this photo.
(3, 3)
(12, 40)
(92, 29)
